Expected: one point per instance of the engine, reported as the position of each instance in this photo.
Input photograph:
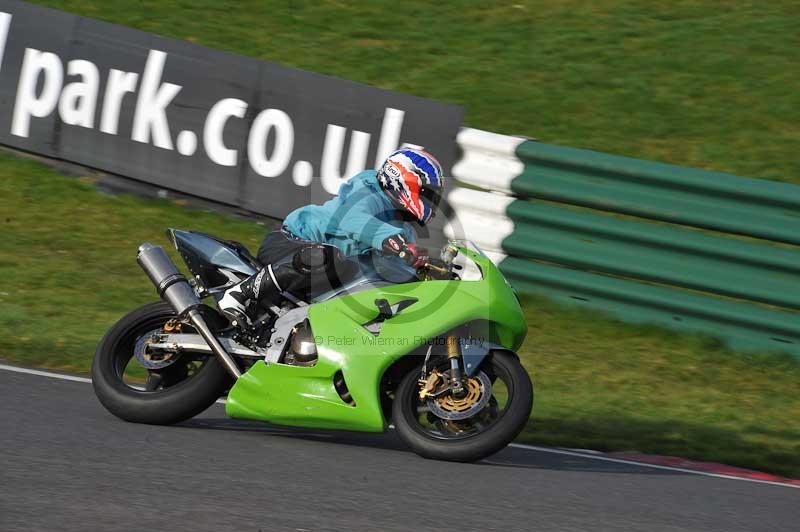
(302, 348)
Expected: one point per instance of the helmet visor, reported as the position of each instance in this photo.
(431, 197)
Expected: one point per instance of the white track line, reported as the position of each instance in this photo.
(588, 454)
(594, 455)
(61, 376)
(45, 374)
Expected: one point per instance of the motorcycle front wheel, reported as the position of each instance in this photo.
(179, 390)
(494, 411)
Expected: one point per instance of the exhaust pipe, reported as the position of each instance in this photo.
(173, 288)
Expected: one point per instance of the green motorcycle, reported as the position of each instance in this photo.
(432, 351)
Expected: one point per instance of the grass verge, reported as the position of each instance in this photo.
(67, 261)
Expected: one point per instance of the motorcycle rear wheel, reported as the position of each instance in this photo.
(178, 394)
(468, 440)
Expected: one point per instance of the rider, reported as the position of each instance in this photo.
(372, 211)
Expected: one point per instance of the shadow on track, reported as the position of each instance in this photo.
(513, 457)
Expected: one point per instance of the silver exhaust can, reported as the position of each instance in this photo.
(170, 284)
(173, 288)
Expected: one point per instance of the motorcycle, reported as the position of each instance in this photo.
(430, 350)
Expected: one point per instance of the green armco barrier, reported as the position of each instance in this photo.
(712, 200)
(657, 253)
(742, 325)
(656, 243)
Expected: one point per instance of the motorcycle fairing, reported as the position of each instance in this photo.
(306, 396)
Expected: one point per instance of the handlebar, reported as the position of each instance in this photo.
(434, 270)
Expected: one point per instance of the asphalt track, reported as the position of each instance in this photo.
(66, 464)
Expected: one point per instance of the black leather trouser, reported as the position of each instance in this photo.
(303, 267)
(278, 245)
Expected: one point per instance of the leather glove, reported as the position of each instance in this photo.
(413, 255)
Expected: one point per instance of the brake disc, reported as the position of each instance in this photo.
(479, 391)
(150, 360)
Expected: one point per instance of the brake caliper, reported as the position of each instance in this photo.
(428, 386)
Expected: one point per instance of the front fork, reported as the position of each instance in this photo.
(454, 357)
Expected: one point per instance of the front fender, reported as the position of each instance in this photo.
(473, 354)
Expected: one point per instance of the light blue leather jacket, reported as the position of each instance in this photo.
(360, 218)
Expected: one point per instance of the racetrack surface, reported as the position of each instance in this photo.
(66, 464)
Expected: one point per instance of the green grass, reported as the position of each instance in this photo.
(602, 384)
(68, 256)
(705, 83)
(67, 260)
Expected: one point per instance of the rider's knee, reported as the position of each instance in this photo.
(316, 258)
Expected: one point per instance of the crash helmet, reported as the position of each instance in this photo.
(413, 181)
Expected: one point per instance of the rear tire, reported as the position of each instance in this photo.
(177, 403)
(472, 447)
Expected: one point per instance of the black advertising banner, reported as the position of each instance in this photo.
(216, 125)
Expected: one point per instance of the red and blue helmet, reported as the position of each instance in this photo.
(414, 182)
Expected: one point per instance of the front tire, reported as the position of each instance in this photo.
(471, 445)
(184, 397)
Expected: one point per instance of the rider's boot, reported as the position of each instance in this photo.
(312, 261)
(260, 286)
